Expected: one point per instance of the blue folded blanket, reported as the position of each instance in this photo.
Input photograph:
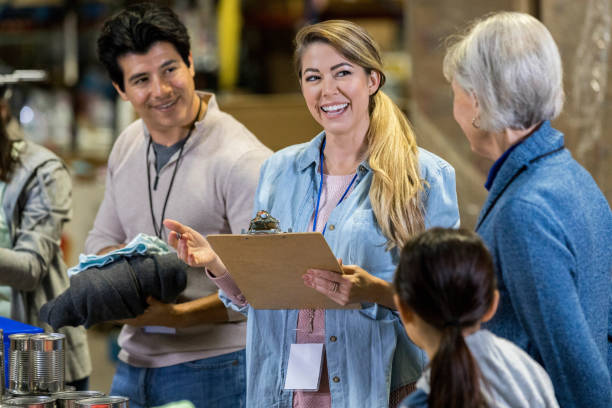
(141, 244)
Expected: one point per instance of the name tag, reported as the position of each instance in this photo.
(304, 367)
(159, 330)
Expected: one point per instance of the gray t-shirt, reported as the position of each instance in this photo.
(164, 153)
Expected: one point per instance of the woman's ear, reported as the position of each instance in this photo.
(493, 308)
(373, 82)
(475, 103)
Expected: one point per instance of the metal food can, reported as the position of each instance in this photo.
(68, 399)
(19, 363)
(47, 362)
(30, 402)
(104, 402)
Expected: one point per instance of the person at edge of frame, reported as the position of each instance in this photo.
(35, 204)
(546, 222)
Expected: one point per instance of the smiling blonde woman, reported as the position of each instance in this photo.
(367, 187)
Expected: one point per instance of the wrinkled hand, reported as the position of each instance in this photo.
(354, 286)
(192, 248)
(156, 314)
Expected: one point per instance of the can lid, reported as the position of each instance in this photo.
(31, 399)
(19, 341)
(112, 399)
(70, 395)
(47, 341)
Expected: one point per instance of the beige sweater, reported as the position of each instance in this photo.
(213, 193)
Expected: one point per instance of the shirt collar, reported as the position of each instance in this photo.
(543, 128)
(311, 155)
(497, 165)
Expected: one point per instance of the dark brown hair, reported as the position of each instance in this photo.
(7, 159)
(446, 277)
(134, 30)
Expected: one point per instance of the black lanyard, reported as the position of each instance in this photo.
(160, 229)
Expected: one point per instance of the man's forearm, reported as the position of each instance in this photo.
(208, 309)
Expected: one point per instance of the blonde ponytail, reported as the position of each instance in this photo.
(396, 187)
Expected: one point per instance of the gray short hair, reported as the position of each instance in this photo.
(511, 64)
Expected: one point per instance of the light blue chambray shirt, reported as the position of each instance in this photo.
(371, 354)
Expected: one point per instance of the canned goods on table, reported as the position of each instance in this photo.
(19, 363)
(30, 402)
(104, 402)
(47, 361)
(68, 399)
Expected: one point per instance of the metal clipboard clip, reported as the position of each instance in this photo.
(264, 223)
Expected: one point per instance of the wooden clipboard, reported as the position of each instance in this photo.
(268, 268)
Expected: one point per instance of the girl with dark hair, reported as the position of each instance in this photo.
(35, 203)
(445, 287)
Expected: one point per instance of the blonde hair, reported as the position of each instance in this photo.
(395, 193)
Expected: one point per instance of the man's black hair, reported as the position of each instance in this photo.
(134, 30)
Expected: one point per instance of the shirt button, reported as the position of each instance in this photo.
(332, 227)
(362, 168)
(333, 339)
(336, 379)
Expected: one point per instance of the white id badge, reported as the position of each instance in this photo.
(304, 367)
(159, 330)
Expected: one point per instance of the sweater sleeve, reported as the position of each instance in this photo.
(545, 300)
(240, 188)
(229, 293)
(107, 229)
(48, 206)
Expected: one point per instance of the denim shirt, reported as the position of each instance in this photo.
(368, 352)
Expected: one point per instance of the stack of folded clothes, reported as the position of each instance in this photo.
(118, 290)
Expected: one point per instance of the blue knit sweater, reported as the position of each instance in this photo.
(549, 229)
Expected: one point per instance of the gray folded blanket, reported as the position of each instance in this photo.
(116, 291)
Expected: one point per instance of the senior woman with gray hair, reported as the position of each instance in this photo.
(546, 222)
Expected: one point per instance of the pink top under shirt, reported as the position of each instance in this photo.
(333, 188)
